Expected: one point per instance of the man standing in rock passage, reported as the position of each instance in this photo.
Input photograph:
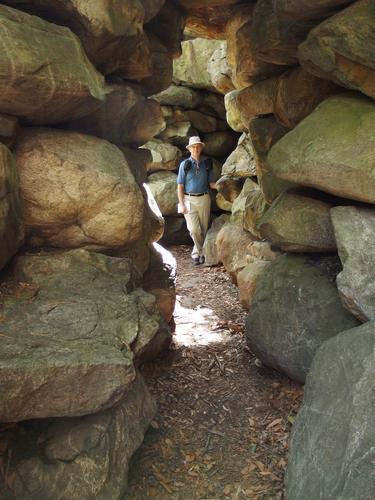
(195, 177)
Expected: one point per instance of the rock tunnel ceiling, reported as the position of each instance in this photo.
(97, 100)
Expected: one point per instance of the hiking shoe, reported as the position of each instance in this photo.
(201, 259)
(195, 261)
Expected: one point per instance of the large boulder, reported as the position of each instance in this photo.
(332, 452)
(229, 188)
(264, 133)
(103, 26)
(168, 25)
(205, 123)
(332, 149)
(232, 244)
(207, 21)
(126, 117)
(176, 95)
(134, 60)
(219, 70)
(160, 280)
(247, 281)
(161, 75)
(296, 222)
(244, 105)
(41, 55)
(296, 308)
(249, 207)
(137, 159)
(341, 48)
(355, 235)
(76, 321)
(85, 457)
(246, 67)
(191, 68)
(77, 191)
(11, 224)
(164, 156)
(304, 10)
(274, 37)
(151, 8)
(241, 161)
(298, 94)
(164, 189)
(209, 246)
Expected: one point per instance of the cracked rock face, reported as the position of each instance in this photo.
(78, 191)
(84, 323)
(41, 55)
(85, 457)
(295, 309)
(332, 452)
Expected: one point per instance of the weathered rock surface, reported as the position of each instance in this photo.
(264, 133)
(153, 227)
(298, 223)
(355, 235)
(168, 25)
(304, 10)
(103, 27)
(228, 187)
(249, 207)
(232, 244)
(295, 309)
(85, 457)
(11, 224)
(191, 68)
(165, 156)
(332, 451)
(126, 117)
(41, 55)
(213, 105)
(333, 149)
(241, 161)
(8, 129)
(134, 60)
(164, 188)
(298, 94)
(246, 67)
(244, 105)
(76, 326)
(161, 67)
(151, 8)
(160, 280)
(209, 246)
(247, 281)
(205, 123)
(219, 70)
(205, 21)
(178, 133)
(78, 191)
(176, 95)
(137, 159)
(341, 48)
(274, 38)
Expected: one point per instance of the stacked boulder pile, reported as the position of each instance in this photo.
(300, 236)
(192, 105)
(86, 294)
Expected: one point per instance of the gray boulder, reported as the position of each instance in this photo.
(355, 235)
(164, 189)
(85, 457)
(332, 449)
(296, 307)
(77, 321)
(209, 246)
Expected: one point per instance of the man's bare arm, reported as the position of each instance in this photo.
(180, 195)
(213, 185)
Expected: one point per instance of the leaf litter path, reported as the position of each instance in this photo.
(223, 421)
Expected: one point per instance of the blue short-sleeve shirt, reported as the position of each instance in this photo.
(195, 180)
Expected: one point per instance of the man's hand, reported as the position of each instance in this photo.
(181, 209)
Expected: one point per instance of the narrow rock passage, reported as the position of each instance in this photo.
(223, 422)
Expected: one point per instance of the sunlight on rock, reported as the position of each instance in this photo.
(197, 326)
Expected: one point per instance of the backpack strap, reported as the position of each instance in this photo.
(188, 164)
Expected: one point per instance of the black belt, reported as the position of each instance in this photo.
(196, 194)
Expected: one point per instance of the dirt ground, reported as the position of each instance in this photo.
(223, 421)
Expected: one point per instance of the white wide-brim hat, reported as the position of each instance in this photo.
(194, 140)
